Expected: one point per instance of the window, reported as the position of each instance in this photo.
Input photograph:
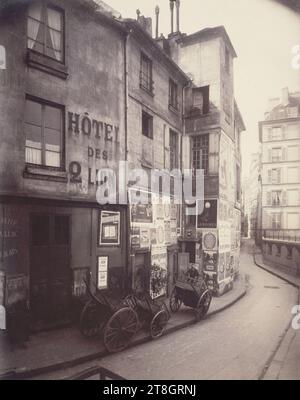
(275, 175)
(276, 133)
(201, 100)
(147, 125)
(276, 197)
(45, 30)
(276, 221)
(200, 152)
(276, 154)
(146, 81)
(173, 150)
(173, 95)
(43, 132)
(110, 228)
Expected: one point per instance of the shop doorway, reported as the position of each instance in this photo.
(50, 273)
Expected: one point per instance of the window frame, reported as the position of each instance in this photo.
(45, 103)
(205, 91)
(45, 6)
(200, 148)
(150, 118)
(174, 150)
(173, 95)
(149, 87)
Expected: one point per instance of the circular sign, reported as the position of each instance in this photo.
(209, 241)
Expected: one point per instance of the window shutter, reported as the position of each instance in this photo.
(279, 176)
(269, 200)
(283, 132)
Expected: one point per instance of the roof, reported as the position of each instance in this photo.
(99, 7)
(208, 33)
(134, 26)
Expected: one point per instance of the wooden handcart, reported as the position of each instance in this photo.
(115, 321)
(192, 293)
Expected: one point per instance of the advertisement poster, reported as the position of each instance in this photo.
(209, 240)
(2, 287)
(110, 228)
(135, 238)
(141, 211)
(208, 218)
(159, 265)
(102, 272)
(16, 289)
(144, 238)
(160, 232)
(224, 237)
(167, 232)
(210, 261)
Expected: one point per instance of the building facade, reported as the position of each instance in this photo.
(62, 102)
(84, 91)
(280, 139)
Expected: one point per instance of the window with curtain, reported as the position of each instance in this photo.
(43, 133)
(45, 30)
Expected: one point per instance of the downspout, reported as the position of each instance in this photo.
(181, 152)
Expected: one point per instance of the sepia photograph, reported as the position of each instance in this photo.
(149, 193)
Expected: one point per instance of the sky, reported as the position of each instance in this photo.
(263, 34)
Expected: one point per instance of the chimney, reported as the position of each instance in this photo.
(172, 15)
(157, 21)
(285, 98)
(146, 23)
(178, 14)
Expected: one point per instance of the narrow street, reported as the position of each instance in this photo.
(236, 344)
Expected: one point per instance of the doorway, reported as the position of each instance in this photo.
(50, 273)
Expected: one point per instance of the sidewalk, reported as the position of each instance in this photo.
(285, 363)
(49, 351)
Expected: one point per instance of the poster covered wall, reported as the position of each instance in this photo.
(159, 267)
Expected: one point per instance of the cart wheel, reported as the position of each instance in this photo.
(175, 302)
(120, 330)
(203, 305)
(89, 324)
(158, 324)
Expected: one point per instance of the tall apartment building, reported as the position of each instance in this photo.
(280, 138)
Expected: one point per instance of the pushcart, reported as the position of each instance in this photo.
(192, 293)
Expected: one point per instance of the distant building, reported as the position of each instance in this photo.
(280, 138)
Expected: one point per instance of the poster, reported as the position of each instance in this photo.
(16, 289)
(110, 228)
(144, 238)
(141, 208)
(209, 240)
(224, 237)
(135, 238)
(210, 261)
(158, 277)
(2, 287)
(102, 272)
(208, 217)
(167, 232)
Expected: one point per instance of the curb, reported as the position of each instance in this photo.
(275, 273)
(27, 374)
(271, 360)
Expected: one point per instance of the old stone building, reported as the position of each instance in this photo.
(82, 91)
(62, 109)
(280, 140)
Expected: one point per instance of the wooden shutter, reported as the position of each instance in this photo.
(270, 155)
(269, 198)
(284, 197)
(270, 176)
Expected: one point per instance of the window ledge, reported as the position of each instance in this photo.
(41, 173)
(175, 110)
(148, 91)
(46, 64)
